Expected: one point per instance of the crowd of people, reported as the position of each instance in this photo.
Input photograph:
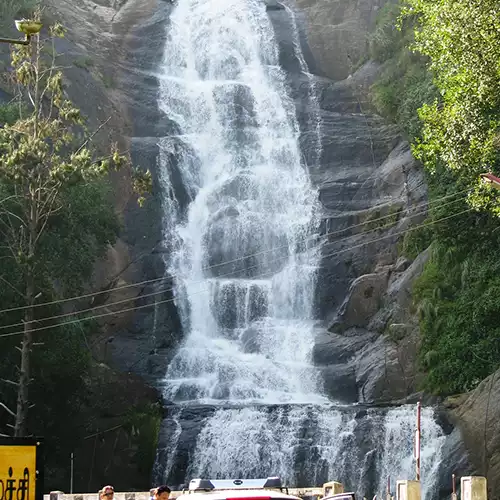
(159, 493)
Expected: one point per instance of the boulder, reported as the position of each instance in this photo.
(379, 374)
(332, 348)
(363, 301)
(478, 417)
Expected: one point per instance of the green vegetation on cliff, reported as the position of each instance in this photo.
(440, 81)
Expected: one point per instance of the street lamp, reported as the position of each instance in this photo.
(29, 28)
(491, 179)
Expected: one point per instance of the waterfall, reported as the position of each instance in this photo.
(244, 261)
(241, 221)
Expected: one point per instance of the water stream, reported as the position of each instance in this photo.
(241, 217)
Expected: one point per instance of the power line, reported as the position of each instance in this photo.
(238, 259)
(136, 308)
(164, 290)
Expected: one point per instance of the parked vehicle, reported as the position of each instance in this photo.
(270, 488)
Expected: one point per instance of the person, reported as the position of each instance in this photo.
(107, 493)
(162, 493)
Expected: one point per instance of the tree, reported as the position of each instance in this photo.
(461, 127)
(45, 156)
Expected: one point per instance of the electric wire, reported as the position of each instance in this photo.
(136, 308)
(242, 258)
(164, 290)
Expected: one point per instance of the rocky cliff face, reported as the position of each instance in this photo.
(370, 187)
(372, 190)
(338, 32)
(477, 414)
(365, 173)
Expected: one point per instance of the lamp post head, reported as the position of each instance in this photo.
(28, 27)
(491, 179)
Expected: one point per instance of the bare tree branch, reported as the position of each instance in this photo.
(96, 131)
(8, 212)
(8, 410)
(12, 287)
(9, 381)
(31, 98)
(46, 216)
(9, 198)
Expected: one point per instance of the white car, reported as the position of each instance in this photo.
(236, 489)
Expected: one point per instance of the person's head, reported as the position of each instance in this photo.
(162, 493)
(107, 493)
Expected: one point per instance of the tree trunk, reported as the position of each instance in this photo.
(21, 425)
(24, 376)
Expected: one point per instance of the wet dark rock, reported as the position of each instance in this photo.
(455, 461)
(402, 264)
(273, 5)
(332, 348)
(340, 383)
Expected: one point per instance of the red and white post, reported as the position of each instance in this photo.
(417, 441)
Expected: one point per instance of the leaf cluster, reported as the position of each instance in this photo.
(461, 40)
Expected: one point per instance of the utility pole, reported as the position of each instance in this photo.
(71, 474)
(417, 441)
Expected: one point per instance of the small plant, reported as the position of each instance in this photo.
(85, 62)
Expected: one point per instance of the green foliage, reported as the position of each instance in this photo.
(459, 310)
(386, 41)
(404, 84)
(144, 422)
(416, 241)
(76, 238)
(56, 219)
(457, 294)
(60, 366)
(461, 128)
(9, 113)
(382, 217)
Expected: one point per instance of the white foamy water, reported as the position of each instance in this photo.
(240, 214)
(308, 445)
(249, 323)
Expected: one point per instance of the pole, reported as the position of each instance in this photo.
(71, 475)
(453, 488)
(26, 41)
(417, 442)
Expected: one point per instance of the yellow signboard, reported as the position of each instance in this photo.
(20, 469)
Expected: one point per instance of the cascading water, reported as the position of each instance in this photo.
(243, 265)
(244, 258)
